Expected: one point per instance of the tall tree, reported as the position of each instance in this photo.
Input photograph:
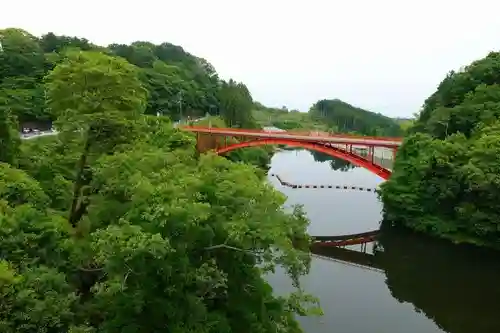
(236, 104)
(9, 136)
(96, 98)
(22, 65)
(20, 54)
(165, 240)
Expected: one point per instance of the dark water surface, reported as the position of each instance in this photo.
(403, 283)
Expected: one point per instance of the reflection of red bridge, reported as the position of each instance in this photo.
(351, 257)
(345, 240)
(345, 147)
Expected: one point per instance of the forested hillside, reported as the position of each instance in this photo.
(330, 115)
(446, 175)
(284, 118)
(343, 117)
(178, 83)
(117, 224)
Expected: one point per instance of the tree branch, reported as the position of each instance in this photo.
(224, 246)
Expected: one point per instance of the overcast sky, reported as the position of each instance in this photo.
(383, 55)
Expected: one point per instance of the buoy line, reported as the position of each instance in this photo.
(338, 187)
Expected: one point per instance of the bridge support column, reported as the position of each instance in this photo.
(371, 153)
(206, 142)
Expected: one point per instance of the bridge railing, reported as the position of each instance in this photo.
(294, 132)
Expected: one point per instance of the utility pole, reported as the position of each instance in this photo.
(180, 106)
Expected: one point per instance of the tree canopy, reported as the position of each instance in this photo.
(117, 224)
(343, 117)
(179, 84)
(332, 116)
(445, 179)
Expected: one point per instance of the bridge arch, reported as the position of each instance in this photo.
(329, 150)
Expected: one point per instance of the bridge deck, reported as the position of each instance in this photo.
(310, 137)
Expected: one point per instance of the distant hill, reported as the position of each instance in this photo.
(284, 118)
(401, 120)
(344, 117)
(404, 123)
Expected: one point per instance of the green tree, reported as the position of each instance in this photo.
(445, 176)
(193, 241)
(236, 104)
(172, 240)
(22, 64)
(179, 83)
(9, 136)
(117, 223)
(97, 99)
(52, 43)
(20, 54)
(36, 300)
(457, 84)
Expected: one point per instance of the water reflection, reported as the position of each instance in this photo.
(355, 299)
(332, 212)
(457, 287)
(335, 163)
(402, 282)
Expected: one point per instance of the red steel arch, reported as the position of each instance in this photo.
(329, 150)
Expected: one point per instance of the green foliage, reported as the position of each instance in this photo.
(17, 188)
(405, 124)
(31, 236)
(179, 83)
(331, 116)
(117, 223)
(258, 156)
(456, 86)
(89, 86)
(52, 43)
(9, 137)
(98, 100)
(236, 105)
(21, 55)
(35, 300)
(445, 179)
(344, 117)
(285, 119)
(170, 238)
(51, 161)
(22, 65)
(335, 163)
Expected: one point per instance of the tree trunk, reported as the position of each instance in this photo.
(76, 211)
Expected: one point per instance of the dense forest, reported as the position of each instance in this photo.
(117, 224)
(178, 83)
(446, 175)
(286, 119)
(343, 117)
(331, 116)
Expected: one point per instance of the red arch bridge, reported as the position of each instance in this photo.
(358, 150)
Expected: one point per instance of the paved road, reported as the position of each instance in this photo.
(29, 136)
(177, 123)
(361, 141)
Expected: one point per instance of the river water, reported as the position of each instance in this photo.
(401, 283)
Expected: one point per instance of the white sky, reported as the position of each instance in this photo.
(383, 55)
